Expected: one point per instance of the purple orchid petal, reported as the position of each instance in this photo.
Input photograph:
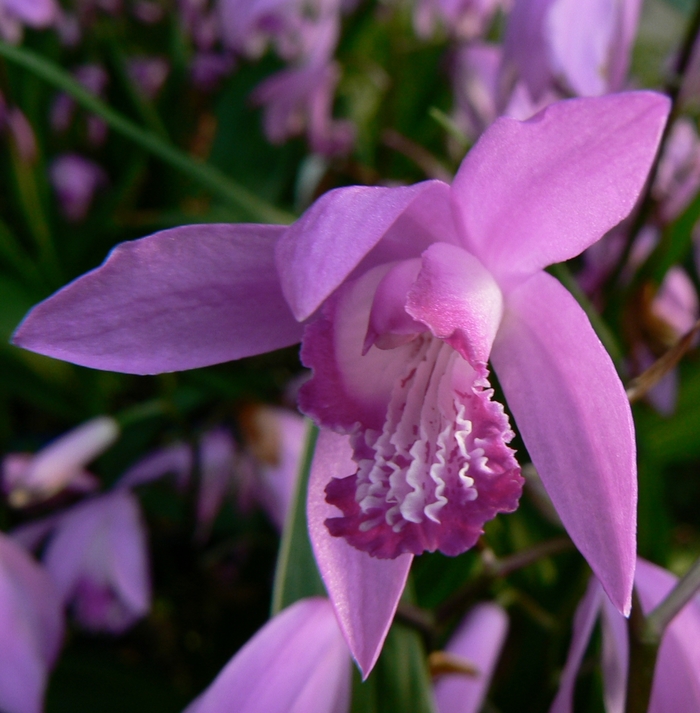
(676, 677)
(591, 49)
(277, 475)
(538, 192)
(574, 417)
(458, 299)
(156, 303)
(525, 46)
(364, 591)
(176, 459)
(97, 557)
(584, 620)
(297, 663)
(217, 451)
(60, 463)
(479, 640)
(31, 629)
(318, 252)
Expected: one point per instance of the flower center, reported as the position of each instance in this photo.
(437, 470)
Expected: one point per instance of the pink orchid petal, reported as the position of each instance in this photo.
(31, 629)
(36, 13)
(297, 663)
(525, 46)
(217, 451)
(60, 463)
(179, 299)
(176, 460)
(572, 412)
(533, 193)
(320, 250)
(676, 679)
(364, 591)
(479, 640)
(458, 299)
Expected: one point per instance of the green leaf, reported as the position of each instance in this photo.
(296, 575)
(399, 682)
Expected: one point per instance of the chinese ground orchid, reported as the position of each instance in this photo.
(14, 14)
(297, 663)
(31, 629)
(407, 292)
(32, 478)
(676, 685)
(75, 179)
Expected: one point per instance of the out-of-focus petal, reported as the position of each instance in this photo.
(297, 663)
(76, 179)
(364, 591)
(176, 460)
(572, 412)
(615, 656)
(36, 13)
(584, 620)
(31, 629)
(525, 45)
(98, 559)
(179, 299)
(479, 640)
(59, 463)
(538, 192)
(318, 252)
(676, 685)
(458, 299)
(217, 450)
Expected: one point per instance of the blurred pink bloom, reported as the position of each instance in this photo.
(207, 69)
(33, 13)
(678, 176)
(408, 292)
(75, 179)
(148, 11)
(301, 99)
(97, 556)
(28, 479)
(31, 629)
(478, 640)
(297, 663)
(583, 47)
(465, 19)
(148, 74)
(676, 685)
(22, 134)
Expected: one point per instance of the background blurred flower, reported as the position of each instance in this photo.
(31, 629)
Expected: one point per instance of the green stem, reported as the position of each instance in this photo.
(643, 652)
(664, 613)
(209, 177)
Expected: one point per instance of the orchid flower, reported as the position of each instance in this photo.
(297, 663)
(32, 478)
(31, 629)
(406, 293)
(585, 47)
(97, 557)
(676, 684)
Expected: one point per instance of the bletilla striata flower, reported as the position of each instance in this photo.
(405, 294)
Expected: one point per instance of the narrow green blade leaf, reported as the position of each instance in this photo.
(296, 575)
